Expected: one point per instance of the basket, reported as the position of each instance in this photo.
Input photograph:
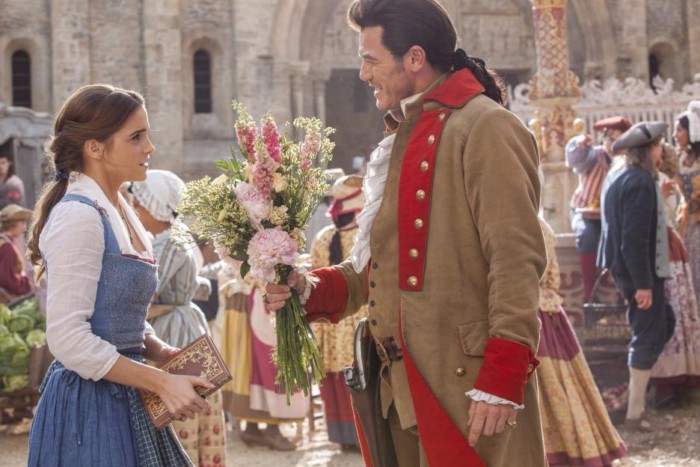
(605, 322)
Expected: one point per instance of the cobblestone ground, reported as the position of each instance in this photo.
(673, 447)
(314, 451)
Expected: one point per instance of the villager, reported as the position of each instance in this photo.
(634, 247)
(678, 367)
(331, 246)
(173, 315)
(591, 164)
(451, 281)
(13, 281)
(11, 186)
(247, 346)
(687, 135)
(577, 428)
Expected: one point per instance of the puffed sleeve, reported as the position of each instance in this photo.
(72, 244)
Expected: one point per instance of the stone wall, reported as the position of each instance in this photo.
(280, 55)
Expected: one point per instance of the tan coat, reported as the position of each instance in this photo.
(483, 259)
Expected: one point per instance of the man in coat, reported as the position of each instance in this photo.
(449, 252)
(591, 164)
(634, 246)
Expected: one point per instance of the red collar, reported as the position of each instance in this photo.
(457, 89)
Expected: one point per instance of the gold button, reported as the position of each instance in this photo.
(460, 371)
(431, 139)
(413, 281)
(418, 223)
(424, 166)
(413, 253)
(441, 117)
(420, 195)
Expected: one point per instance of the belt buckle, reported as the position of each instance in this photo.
(381, 351)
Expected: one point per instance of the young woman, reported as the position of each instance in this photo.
(101, 278)
(634, 246)
(173, 316)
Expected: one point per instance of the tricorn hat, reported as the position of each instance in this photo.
(640, 134)
(613, 123)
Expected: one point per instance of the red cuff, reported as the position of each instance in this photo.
(507, 368)
(330, 296)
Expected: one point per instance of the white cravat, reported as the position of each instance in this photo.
(373, 186)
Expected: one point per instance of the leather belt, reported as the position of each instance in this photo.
(388, 351)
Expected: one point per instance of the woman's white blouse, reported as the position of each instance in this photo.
(72, 244)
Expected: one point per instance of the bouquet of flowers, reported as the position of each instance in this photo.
(256, 213)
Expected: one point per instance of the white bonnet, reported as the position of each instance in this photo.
(694, 121)
(159, 194)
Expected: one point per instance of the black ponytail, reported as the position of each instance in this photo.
(489, 79)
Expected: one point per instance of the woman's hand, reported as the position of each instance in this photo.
(180, 397)
(158, 351)
(277, 294)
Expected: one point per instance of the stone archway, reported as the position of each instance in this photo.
(598, 40)
(321, 52)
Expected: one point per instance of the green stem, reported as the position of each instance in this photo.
(297, 351)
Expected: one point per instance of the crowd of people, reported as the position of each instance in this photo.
(477, 358)
(637, 191)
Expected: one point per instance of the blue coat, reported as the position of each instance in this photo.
(631, 244)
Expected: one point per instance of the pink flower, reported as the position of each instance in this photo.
(269, 248)
(310, 146)
(271, 138)
(263, 171)
(256, 204)
(246, 134)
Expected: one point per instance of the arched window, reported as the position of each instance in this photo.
(21, 79)
(654, 69)
(202, 82)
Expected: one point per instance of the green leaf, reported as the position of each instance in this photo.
(245, 268)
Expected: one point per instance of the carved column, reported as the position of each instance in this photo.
(554, 89)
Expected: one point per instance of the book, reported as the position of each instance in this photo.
(199, 358)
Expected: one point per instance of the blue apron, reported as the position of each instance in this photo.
(81, 422)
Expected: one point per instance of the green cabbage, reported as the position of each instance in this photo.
(4, 314)
(20, 323)
(36, 337)
(3, 330)
(15, 382)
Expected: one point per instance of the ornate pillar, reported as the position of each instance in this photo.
(554, 89)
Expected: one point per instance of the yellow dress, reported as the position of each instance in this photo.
(335, 342)
(577, 428)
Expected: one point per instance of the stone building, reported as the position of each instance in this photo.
(295, 57)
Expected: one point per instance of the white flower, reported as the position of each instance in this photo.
(278, 215)
(279, 182)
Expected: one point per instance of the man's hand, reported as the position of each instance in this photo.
(277, 294)
(487, 419)
(643, 298)
(586, 141)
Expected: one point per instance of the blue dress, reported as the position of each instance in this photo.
(81, 422)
